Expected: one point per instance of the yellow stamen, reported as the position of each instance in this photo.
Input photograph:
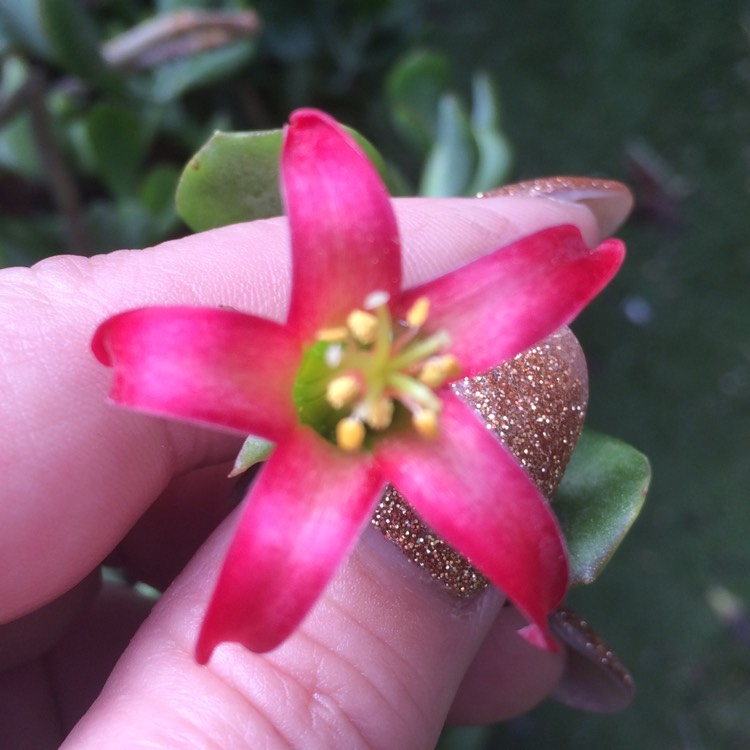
(372, 367)
(380, 413)
(363, 326)
(350, 434)
(437, 370)
(342, 390)
(426, 423)
(418, 312)
(332, 335)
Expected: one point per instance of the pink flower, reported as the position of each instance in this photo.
(354, 391)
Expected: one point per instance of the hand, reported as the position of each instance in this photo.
(384, 658)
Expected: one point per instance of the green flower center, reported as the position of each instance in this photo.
(366, 376)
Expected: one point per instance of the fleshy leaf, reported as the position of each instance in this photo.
(414, 89)
(235, 177)
(494, 149)
(118, 142)
(72, 35)
(254, 450)
(454, 155)
(600, 497)
(22, 26)
(173, 79)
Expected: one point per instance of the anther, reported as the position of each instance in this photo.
(342, 390)
(379, 413)
(363, 326)
(425, 422)
(350, 434)
(417, 314)
(437, 370)
(335, 334)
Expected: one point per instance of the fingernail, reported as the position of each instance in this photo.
(536, 404)
(609, 201)
(595, 679)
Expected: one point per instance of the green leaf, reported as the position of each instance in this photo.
(171, 80)
(22, 25)
(118, 141)
(253, 451)
(415, 87)
(155, 194)
(235, 177)
(75, 43)
(19, 150)
(23, 242)
(494, 160)
(157, 188)
(454, 156)
(601, 495)
(125, 222)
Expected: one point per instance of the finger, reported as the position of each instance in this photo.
(28, 713)
(585, 674)
(30, 636)
(82, 660)
(171, 530)
(376, 665)
(76, 463)
(42, 698)
(507, 677)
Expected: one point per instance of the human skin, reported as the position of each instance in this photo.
(380, 661)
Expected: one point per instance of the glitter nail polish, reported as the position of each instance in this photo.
(610, 201)
(594, 678)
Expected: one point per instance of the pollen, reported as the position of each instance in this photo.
(342, 391)
(426, 423)
(363, 326)
(380, 413)
(335, 334)
(437, 370)
(350, 434)
(417, 314)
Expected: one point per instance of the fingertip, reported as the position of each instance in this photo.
(608, 200)
(440, 234)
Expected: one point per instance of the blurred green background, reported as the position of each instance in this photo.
(655, 94)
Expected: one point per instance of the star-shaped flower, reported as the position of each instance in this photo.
(354, 390)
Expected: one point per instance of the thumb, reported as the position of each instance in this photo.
(376, 664)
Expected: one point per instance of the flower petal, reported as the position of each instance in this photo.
(305, 512)
(210, 365)
(345, 241)
(505, 302)
(472, 492)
